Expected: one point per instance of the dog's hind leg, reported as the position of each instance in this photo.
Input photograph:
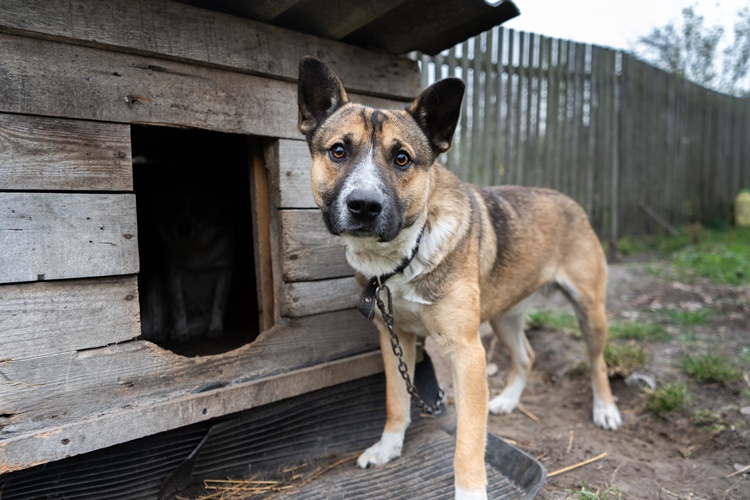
(397, 401)
(588, 300)
(508, 326)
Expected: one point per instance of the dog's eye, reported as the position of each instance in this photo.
(337, 152)
(402, 160)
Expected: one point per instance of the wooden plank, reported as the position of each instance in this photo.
(309, 251)
(74, 437)
(71, 155)
(289, 166)
(43, 392)
(314, 297)
(260, 200)
(37, 77)
(182, 32)
(41, 319)
(46, 236)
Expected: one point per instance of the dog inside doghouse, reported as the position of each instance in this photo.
(197, 282)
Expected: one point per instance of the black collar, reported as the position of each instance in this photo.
(366, 303)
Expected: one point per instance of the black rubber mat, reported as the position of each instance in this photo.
(317, 428)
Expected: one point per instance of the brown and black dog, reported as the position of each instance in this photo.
(474, 254)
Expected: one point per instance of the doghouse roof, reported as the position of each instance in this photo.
(395, 26)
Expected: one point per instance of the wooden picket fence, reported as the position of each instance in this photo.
(637, 147)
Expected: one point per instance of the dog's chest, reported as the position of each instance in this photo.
(408, 308)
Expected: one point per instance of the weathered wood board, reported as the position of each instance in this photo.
(45, 78)
(290, 164)
(309, 251)
(49, 236)
(51, 390)
(53, 317)
(314, 297)
(64, 155)
(198, 35)
(71, 438)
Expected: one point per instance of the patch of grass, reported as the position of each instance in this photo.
(722, 256)
(683, 317)
(711, 368)
(710, 421)
(552, 320)
(624, 359)
(638, 330)
(667, 398)
(588, 493)
(660, 243)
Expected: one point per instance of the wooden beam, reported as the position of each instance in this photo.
(50, 236)
(42, 319)
(65, 155)
(184, 33)
(40, 393)
(260, 199)
(84, 435)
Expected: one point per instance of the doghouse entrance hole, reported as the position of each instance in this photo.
(197, 283)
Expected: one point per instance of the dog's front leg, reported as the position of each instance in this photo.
(456, 332)
(398, 401)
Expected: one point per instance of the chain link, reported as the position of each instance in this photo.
(403, 369)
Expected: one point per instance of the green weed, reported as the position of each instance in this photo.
(722, 256)
(552, 320)
(588, 493)
(624, 359)
(711, 368)
(667, 398)
(710, 421)
(638, 330)
(683, 317)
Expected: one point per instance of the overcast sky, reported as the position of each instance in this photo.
(616, 24)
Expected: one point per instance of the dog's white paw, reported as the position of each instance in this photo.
(382, 452)
(607, 415)
(503, 404)
(462, 494)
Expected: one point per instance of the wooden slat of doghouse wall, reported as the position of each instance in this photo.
(290, 165)
(310, 252)
(65, 155)
(199, 35)
(77, 385)
(46, 236)
(45, 318)
(69, 438)
(41, 77)
(313, 297)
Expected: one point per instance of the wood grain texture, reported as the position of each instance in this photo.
(50, 236)
(43, 392)
(41, 319)
(41, 77)
(65, 155)
(314, 297)
(201, 36)
(71, 437)
(290, 166)
(309, 251)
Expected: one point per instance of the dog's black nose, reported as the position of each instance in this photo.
(364, 205)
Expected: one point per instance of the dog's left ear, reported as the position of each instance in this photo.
(436, 110)
(319, 94)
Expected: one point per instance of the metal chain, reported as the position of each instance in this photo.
(403, 369)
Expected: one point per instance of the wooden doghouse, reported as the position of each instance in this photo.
(86, 89)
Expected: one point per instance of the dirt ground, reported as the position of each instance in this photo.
(649, 456)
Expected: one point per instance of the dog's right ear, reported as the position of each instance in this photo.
(320, 93)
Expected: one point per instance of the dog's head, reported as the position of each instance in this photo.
(370, 174)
